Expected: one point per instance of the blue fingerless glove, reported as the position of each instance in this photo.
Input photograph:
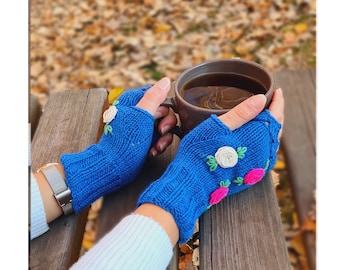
(132, 97)
(117, 158)
(213, 162)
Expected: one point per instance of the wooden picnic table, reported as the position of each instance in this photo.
(244, 231)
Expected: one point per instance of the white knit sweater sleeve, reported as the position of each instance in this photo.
(38, 224)
(137, 242)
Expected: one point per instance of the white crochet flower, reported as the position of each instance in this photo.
(110, 114)
(226, 157)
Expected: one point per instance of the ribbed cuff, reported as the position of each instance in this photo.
(137, 242)
(38, 224)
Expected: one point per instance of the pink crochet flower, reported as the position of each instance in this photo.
(254, 176)
(219, 193)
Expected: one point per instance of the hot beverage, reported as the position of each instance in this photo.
(220, 90)
(215, 87)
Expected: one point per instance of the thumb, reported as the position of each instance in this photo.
(244, 112)
(155, 96)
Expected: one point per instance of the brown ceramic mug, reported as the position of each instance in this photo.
(215, 87)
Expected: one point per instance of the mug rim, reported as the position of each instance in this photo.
(268, 94)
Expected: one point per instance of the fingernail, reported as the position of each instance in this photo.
(157, 115)
(153, 152)
(164, 83)
(257, 101)
(165, 129)
(161, 147)
(279, 90)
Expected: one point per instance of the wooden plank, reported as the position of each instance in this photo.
(244, 231)
(35, 112)
(71, 122)
(298, 142)
(298, 138)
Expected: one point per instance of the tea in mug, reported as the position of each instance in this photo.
(220, 90)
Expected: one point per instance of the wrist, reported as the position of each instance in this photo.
(51, 206)
(54, 191)
(164, 218)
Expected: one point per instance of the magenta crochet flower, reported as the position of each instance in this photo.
(219, 193)
(254, 176)
(251, 178)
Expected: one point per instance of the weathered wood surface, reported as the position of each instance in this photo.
(71, 121)
(299, 143)
(35, 112)
(244, 232)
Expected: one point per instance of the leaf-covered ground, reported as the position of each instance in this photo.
(80, 44)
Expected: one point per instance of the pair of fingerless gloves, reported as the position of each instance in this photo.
(212, 161)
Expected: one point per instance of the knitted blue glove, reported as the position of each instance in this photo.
(117, 158)
(132, 97)
(213, 162)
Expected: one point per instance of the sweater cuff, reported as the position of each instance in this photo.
(38, 224)
(137, 242)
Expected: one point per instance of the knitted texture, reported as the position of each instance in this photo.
(117, 158)
(137, 242)
(132, 97)
(213, 162)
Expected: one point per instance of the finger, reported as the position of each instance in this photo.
(161, 144)
(276, 107)
(155, 96)
(161, 112)
(168, 122)
(244, 112)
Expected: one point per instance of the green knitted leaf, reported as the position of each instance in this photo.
(225, 183)
(267, 165)
(211, 161)
(238, 181)
(240, 151)
(107, 129)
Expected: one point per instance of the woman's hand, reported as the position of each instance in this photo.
(221, 157)
(234, 119)
(151, 102)
(248, 109)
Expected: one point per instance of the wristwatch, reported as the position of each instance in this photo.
(60, 190)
